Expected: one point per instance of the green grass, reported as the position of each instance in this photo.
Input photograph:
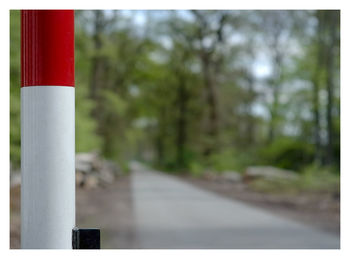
(313, 178)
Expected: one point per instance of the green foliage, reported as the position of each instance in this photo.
(113, 103)
(313, 178)
(179, 94)
(124, 165)
(86, 138)
(15, 130)
(316, 177)
(15, 103)
(288, 153)
(196, 169)
(231, 159)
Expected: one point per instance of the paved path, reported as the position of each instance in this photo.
(170, 213)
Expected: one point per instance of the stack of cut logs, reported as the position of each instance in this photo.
(93, 171)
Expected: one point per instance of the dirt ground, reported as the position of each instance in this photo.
(320, 210)
(94, 208)
(15, 217)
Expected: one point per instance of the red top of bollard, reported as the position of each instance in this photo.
(47, 47)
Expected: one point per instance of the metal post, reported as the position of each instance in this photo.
(47, 129)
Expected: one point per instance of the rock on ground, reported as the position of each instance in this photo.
(92, 170)
(268, 172)
(231, 176)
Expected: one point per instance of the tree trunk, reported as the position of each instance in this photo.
(316, 112)
(97, 62)
(274, 112)
(211, 99)
(250, 118)
(315, 92)
(160, 138)
(182, 122)
(331, 30)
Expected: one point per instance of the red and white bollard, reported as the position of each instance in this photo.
(47, 129)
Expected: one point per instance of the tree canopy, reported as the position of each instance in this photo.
(190, 90)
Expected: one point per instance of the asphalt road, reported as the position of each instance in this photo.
(170, 213)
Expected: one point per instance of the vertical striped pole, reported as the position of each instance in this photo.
(47, 128)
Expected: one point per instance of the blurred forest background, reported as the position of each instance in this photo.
(191, 91)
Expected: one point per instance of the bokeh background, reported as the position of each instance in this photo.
(218, 98)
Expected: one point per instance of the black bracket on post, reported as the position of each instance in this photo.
(86, 238)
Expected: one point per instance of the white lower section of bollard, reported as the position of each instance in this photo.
(47, 166)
